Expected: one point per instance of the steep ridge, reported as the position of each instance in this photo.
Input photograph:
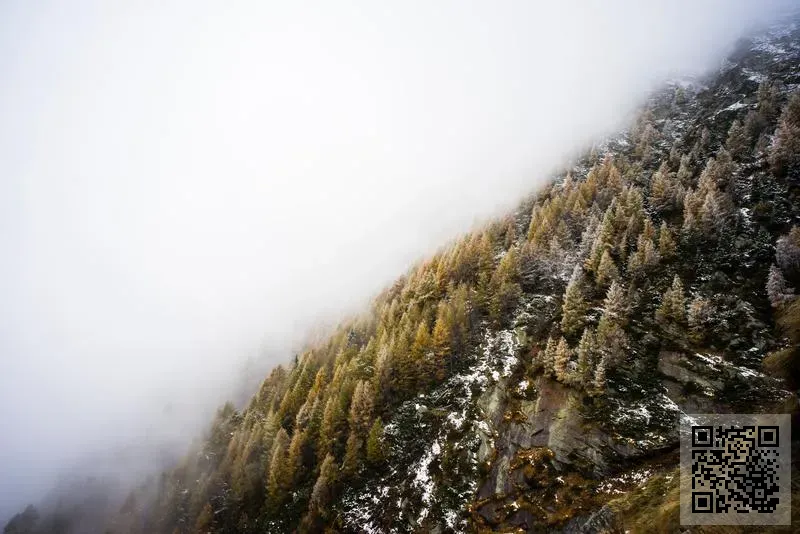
(531, 376)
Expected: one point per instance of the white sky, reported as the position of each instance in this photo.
(184, 183)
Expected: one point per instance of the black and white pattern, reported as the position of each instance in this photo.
(735, 470)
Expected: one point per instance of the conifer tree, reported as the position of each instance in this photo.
(549, 356)
(294, 458)
(375, 445)
(322, 493)
(666, 243)
(664, 190)
(607, 270)
(610, 330)
(784, 154)
(205, 519)
(561, 360)
(778, 290)
(352, 455)
(277, 483)
(787, 253)
(685, 172)
(672, 310)
(442, 342)
(599, 381)
(421, 356)
(738, 143)
(587, 349)
(574, 306)
(361, 408)
(699, 320)
(332, 420)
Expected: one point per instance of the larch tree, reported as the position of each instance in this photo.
(375, 445)
(561, 360)
(353, 455)
(421, 354)
(611, 335)
(599, 380)
(607, 271)
(361, 408)
(322, 495)
(442, 341)
(549, 356)
(294, 458)
(574, 306)
(332, 421)
(587, 351)
(672, 310)
(277, 483)
(784, 154)
(205, 519)
(685, 171)
(738, 142)
(666, 242)
(699, 318)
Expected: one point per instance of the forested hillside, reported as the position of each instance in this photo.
(531, 374)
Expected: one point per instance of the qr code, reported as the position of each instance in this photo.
(735, 469)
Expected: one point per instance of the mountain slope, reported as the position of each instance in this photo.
(532, 375)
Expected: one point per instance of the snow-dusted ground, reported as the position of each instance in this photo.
(416, 492)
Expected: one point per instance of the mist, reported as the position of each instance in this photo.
(189, 186)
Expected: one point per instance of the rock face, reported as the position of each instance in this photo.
(603, 521)
(538, 443)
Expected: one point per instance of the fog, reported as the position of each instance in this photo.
(186, 186)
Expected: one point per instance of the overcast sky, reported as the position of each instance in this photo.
(183, 184)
